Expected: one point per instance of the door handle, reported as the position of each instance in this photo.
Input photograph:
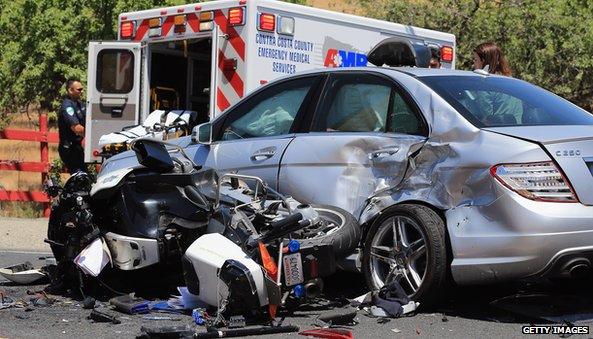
(263, 154)
(382, 153)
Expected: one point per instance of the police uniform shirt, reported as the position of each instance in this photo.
(72, 113)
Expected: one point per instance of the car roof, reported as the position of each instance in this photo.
(411, 71)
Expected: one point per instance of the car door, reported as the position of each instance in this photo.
(362, 133)
(251, 138)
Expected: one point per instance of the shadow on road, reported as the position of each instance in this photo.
(546, 301)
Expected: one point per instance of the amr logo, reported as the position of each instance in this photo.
(341, 58)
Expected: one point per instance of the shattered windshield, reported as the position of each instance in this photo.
(496, 101)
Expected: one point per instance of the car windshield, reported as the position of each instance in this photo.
(497, 101)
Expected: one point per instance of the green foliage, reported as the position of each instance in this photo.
(44, 42)
(547, 42)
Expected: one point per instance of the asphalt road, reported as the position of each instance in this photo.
(469, 312)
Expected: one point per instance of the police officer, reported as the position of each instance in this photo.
(71, 122)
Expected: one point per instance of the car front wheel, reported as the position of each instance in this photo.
(407, 243)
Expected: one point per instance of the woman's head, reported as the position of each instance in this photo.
(490, 54)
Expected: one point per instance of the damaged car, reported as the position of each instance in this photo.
(455, 175)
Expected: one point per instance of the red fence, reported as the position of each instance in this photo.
(43, 137)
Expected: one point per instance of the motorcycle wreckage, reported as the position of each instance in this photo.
(231, 240)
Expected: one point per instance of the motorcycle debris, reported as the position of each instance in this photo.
(158, 317)
(243, 332)
(328, 333)
(338, 317)
(166, 332)
(104, 316)
(23, 273)
(88, 303)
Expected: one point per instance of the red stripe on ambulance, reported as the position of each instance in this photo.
(167, 25)
(234, 37)
(194, 22)
(141, 31)
(221, 100)
(230, 74)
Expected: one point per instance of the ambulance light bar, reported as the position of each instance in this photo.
(285, 25)
(206, 16)
(179, 22)
(447, 54)
(127, 29)
(236, 17)
(154, 23)
(206, 23)
(206, 26)
(266, 22)
(155, 27)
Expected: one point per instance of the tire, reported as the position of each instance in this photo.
(413, 225)
(344, 239)
(55, 232)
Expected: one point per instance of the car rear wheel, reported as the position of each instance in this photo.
(407, 243)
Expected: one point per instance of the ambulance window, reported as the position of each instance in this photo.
(115, 71)
(270, 112)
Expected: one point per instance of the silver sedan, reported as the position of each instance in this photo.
(452, 174)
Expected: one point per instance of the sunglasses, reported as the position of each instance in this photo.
(79, 89)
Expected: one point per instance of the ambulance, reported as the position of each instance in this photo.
(205, 57)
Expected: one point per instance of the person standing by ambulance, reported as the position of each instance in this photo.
(71, 122)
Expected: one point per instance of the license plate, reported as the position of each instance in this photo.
(293, 269)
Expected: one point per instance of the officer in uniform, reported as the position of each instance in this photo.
(71, 122)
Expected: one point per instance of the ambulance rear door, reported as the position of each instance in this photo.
(113, 91)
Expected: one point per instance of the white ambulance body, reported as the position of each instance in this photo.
(205, 57)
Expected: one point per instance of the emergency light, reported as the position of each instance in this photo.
(206, 23)
(447, 53)
(206, 16)
(285, 25)
(266, 22)
(127, 29)
(155, 27)
(236, 17)
(179, 22)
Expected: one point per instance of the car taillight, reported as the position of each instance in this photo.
(536, 181)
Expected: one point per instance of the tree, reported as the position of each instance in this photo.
(547, 42)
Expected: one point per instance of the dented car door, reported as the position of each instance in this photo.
(362, 134)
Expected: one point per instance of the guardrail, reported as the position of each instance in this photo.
(44, 137)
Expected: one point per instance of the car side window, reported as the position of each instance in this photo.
(270, 112)
(402, 118)
(354, 102)
(359, 102)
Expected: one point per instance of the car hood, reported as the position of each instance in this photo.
(570, 146)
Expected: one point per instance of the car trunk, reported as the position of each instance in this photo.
(570, 146)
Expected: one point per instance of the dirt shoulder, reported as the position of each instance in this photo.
(23, 234)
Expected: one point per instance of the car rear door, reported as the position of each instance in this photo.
(251, 138)
(362, 133)
(113, 91)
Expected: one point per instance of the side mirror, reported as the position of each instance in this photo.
(153, 154)
(202, 134)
